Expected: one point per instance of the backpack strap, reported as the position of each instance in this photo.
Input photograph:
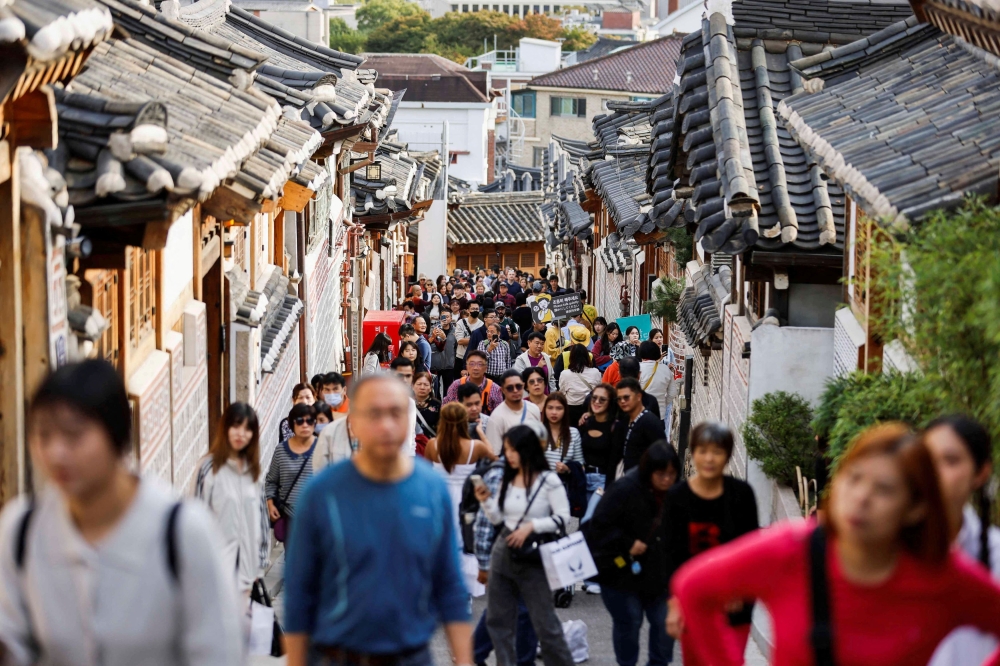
(21, 547)
(171, 542)
(821, 635)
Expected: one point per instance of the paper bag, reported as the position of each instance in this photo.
(261, 628)
(567, 561)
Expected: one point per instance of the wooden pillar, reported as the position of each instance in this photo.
(12, 397)
(34, 299)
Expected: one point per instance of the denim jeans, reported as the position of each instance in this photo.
(595, 482)
(627, 610)
(666, 420)
(421, 657)
(526, 643)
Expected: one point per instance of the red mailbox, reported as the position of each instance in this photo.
(381, 321)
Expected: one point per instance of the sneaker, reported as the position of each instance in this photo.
(591, 588)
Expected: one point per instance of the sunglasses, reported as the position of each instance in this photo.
(514, 387)
(624, 398)
(305, 420)
(598, 399)
(536, 380)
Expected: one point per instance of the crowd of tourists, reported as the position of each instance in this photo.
(425, 484)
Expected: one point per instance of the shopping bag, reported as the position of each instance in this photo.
(261, 628)
(567, 561)
(575, 632)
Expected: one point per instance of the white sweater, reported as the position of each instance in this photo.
(551, 501)
(115, 603)
(578, 385)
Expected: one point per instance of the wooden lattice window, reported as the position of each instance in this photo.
(527, 260)
(757, 299)
(462, 262)
(510, 260)
(238, 234)
(319, 219)
(141, 294)
(541, 259)
(104, 290)
(478, 261)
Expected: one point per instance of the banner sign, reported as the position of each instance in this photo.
(566, 306)
(541, 309)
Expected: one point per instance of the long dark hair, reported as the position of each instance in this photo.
(380, 347)
(560, 397)
(453, 427)
(95, 390)
(579, 358)
(529, 449)
(605, 342)
(977, 441)
(238, 413)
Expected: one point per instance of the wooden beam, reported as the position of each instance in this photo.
(33, 121)
(761, 258)
(155, 236)
(362, 164)
(34, 298)
(225, 204)
(295, 197)
(12, 397)
(268, 206)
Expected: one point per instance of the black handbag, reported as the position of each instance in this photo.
(527, 552)
(260, 594)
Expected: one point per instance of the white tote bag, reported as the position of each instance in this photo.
(575, 632)
(261, 628)
(567, 561)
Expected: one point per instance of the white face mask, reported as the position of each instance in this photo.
(333, 399)
(319, 427)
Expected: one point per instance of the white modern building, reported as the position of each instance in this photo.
(679, 17)
(439, 90)
(301, 18)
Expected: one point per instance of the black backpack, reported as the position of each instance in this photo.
(468, 508)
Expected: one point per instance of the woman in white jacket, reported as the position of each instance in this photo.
(102, 566)
(229, 481)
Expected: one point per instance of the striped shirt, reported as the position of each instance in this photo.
(284, 468)
(573, 452)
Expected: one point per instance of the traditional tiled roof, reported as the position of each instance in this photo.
(395, 191)
(750, 184)
(647, 68)
(48, 29)
(602, 47)
(516, 178)
(702, 302)
(429, 78)
(136, 123)
(275, 309)
(907, 132)
(977, 22)
(508, 217)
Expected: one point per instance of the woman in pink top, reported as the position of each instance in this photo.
(894, 588)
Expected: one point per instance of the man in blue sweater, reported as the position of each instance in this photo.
(372, 562)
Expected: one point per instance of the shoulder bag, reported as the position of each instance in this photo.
(528, 552)
(821, 635)
(281, 525)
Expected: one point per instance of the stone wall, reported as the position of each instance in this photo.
(274, 398)
(149, 392)
(322, 283)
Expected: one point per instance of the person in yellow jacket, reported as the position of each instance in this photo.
(552, 347)
(578, 335)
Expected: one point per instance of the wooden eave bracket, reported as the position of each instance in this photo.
(225, 204)
(32, 120)
(295, 197)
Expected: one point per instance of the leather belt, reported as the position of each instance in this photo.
(341, 657)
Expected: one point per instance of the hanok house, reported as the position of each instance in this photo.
(921, 129)
(765, 217)
(496, 229)
(42, 42)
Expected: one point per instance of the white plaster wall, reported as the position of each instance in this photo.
(178, 260)
(312, 25)
(792, 359)
(419, 125)
(432, 248)
(538, 56)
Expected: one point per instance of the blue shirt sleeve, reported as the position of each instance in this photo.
(303, 564)
(450, 595)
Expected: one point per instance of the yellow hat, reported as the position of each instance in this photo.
(578, 335)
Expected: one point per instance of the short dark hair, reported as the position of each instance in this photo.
(94, 389)
(317, 379)
(630, 383)
(400, 362)
(301, 409)
(507, 375)
(649, 351)
(476, 353)
(467, 389)
(659, 456)
(521, 298)
(629, 367)
(535, 335)
(713, 432)
(553, 278)
(334, 378)
(323, 408)
(407, 329)
(298, 388)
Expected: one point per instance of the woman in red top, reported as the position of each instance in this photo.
(895, 589)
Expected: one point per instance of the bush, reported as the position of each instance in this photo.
(778, 435)
(666, 295)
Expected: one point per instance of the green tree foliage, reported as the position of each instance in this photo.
(577, 39)
(858, 401)
(400, 26)
(777, 434)
(683, 243)
(665, 298)
(375, 13)
(943, 279)
(344, 38)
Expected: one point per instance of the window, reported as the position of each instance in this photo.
(510, 260)
(536, 9)
(237, 236)
(141, 266)
(319, 219)
(524, 103)
(538, 157)
(633, 98)
(475, 8)
(104, 299)
(541, 259)
(546, 8)
(568, 106)
(454, 8)
(462, 263)
(465, 8)
(506, 9)
(478, 261)
(555, 8)
(527, 260)
(453, 158)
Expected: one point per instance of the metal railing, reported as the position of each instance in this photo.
(503, 60)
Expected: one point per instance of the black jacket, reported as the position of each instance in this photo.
(630, 447)
(629, 512)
